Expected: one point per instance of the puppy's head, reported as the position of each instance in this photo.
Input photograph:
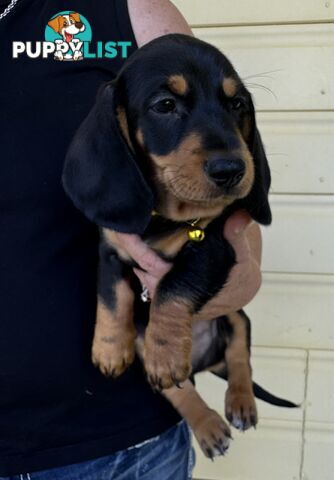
(176, 123)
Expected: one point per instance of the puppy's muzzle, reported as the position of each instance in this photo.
(225, 171)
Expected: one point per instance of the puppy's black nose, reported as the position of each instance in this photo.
(78, 24)
(225, 171)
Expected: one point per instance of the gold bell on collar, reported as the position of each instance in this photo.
(196, 233)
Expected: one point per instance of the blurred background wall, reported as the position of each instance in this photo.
(284, 51)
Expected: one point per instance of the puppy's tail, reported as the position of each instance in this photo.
(261, 393)
(268, 397)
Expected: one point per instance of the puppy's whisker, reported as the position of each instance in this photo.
(262, 74)
(259, 86)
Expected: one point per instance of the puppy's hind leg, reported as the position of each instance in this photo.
(240, 407)
(210, 430)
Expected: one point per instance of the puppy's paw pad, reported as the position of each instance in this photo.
(240, 409)
(213, 435)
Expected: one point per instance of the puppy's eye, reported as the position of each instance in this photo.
(167, 105)
(237, 103)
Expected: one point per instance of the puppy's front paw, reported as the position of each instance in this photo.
(167, 360)
(114, 353)
(240, 409)
(212, 434)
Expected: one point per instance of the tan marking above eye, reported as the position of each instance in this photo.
(229, 86)
(178, 84)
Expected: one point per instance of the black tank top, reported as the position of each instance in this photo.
(55, 407)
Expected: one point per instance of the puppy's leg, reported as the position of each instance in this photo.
(240, 407)
(199, 272)
(113, 345)
(210, 430)
(167, 351)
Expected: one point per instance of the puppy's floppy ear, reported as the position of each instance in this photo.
(101, 175)
(55, 24)
(76, 16)
(256, 202)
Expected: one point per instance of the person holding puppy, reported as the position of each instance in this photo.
(59, 417)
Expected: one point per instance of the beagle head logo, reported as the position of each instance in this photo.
(67, 25)
(68, 30)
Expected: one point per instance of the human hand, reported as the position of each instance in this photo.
(243, 281)
(153, 267)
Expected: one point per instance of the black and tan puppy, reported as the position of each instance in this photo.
(174, 134)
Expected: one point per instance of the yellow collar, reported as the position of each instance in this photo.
(195, 232)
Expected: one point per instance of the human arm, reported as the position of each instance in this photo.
(154, 18)
(244, 279)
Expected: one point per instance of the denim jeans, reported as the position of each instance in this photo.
(166, 457)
